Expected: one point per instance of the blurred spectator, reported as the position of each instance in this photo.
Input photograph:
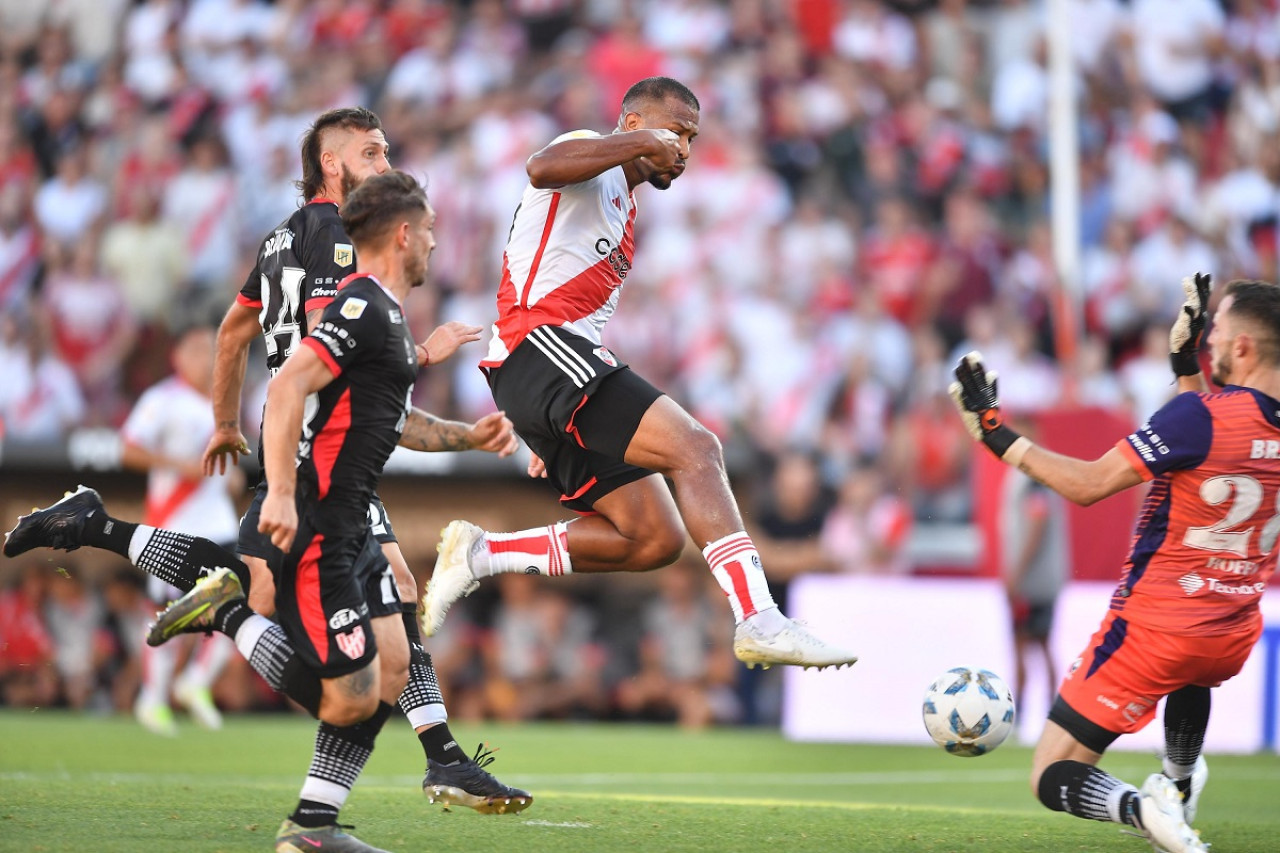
(686, 664)
(27, 675)
(93, 329)
(144, 254)
(198, 202)
(866, 531)
(541, 661)
(71, 204)
(40, 399)
(1174, 46)
(19, 246)
(1145, 377)
(74, 617)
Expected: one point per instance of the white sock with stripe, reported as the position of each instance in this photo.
(545, 549)
(735, 563)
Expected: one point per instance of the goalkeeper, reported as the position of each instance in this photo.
(1184, 616)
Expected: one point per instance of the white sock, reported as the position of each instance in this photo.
(249, 632)
(545, 549)
(1177, 772)
(138, 541)
(735, 563)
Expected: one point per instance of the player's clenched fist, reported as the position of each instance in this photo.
(975, 395)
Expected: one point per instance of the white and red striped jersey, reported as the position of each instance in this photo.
(175, 420)
(567, 256)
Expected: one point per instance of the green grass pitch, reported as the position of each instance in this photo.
(75, 783)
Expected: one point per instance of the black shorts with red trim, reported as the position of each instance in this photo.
(328, 590)
(255, 544)
(577, 407)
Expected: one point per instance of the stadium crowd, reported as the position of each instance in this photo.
(869, 195)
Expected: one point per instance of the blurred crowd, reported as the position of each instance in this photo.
(868, 196)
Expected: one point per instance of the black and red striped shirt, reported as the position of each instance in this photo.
(356, 420)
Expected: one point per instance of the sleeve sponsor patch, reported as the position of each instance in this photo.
(353, 308)
(343, 254)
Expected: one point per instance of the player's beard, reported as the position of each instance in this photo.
(415, 270)
(1222, 369)
(349, 182)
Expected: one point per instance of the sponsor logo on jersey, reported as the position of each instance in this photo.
(394, 314)
(1218, 586)
(615, 256)
(343, 254)
(1191, 583)
(1109, 702)
(344, 617)
(605, 356)
(1135, 710)
(353, 308)
(351, 643)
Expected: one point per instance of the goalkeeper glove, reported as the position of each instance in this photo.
(974, 393)
(1188, 329)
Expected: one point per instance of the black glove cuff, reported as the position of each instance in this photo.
(1185, 363)
(999, 440)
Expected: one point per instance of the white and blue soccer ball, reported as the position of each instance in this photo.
(968, 711)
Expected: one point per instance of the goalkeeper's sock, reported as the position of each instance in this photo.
(1186, 716)
(1085, 791)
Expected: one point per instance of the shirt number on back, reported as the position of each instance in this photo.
(1245, 494)
(283, 333)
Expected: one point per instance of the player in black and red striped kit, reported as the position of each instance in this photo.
(335, 411)
(298, 268)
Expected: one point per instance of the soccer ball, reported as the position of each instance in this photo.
(968, 711)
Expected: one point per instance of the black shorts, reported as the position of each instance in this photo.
(254, 544)
(328, 589)
(577, 407)
(1036, 622)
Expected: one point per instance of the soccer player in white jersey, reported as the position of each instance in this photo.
(604, 437)
(165, 435)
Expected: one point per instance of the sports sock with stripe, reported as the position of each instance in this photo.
(340, 755)
(1186, 716)
(544, 550)
(735, 563)
(1085, 791)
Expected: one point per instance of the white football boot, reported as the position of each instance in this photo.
(1163, 821)
(793, 646)
(452, 577)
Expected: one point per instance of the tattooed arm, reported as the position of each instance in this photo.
(425, 432)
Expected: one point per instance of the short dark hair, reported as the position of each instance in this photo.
(1258, 304)
(658, 89)
(345, 118)
(380, 203)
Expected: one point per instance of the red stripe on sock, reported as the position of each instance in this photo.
(527, 545)
(725, 556)
(738, 579)
(720, 551)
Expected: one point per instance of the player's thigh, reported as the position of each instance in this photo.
(262, 586)
(642, 508)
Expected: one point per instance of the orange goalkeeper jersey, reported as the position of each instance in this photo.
(1205, 543)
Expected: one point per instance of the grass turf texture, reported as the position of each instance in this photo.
(71, 782)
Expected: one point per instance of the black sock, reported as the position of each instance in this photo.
(1186, 716)
(440, 746)
(1085, 791)
(231, 616)
(340, 755)
(110, 534)
(422, 688)
(175, 558)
